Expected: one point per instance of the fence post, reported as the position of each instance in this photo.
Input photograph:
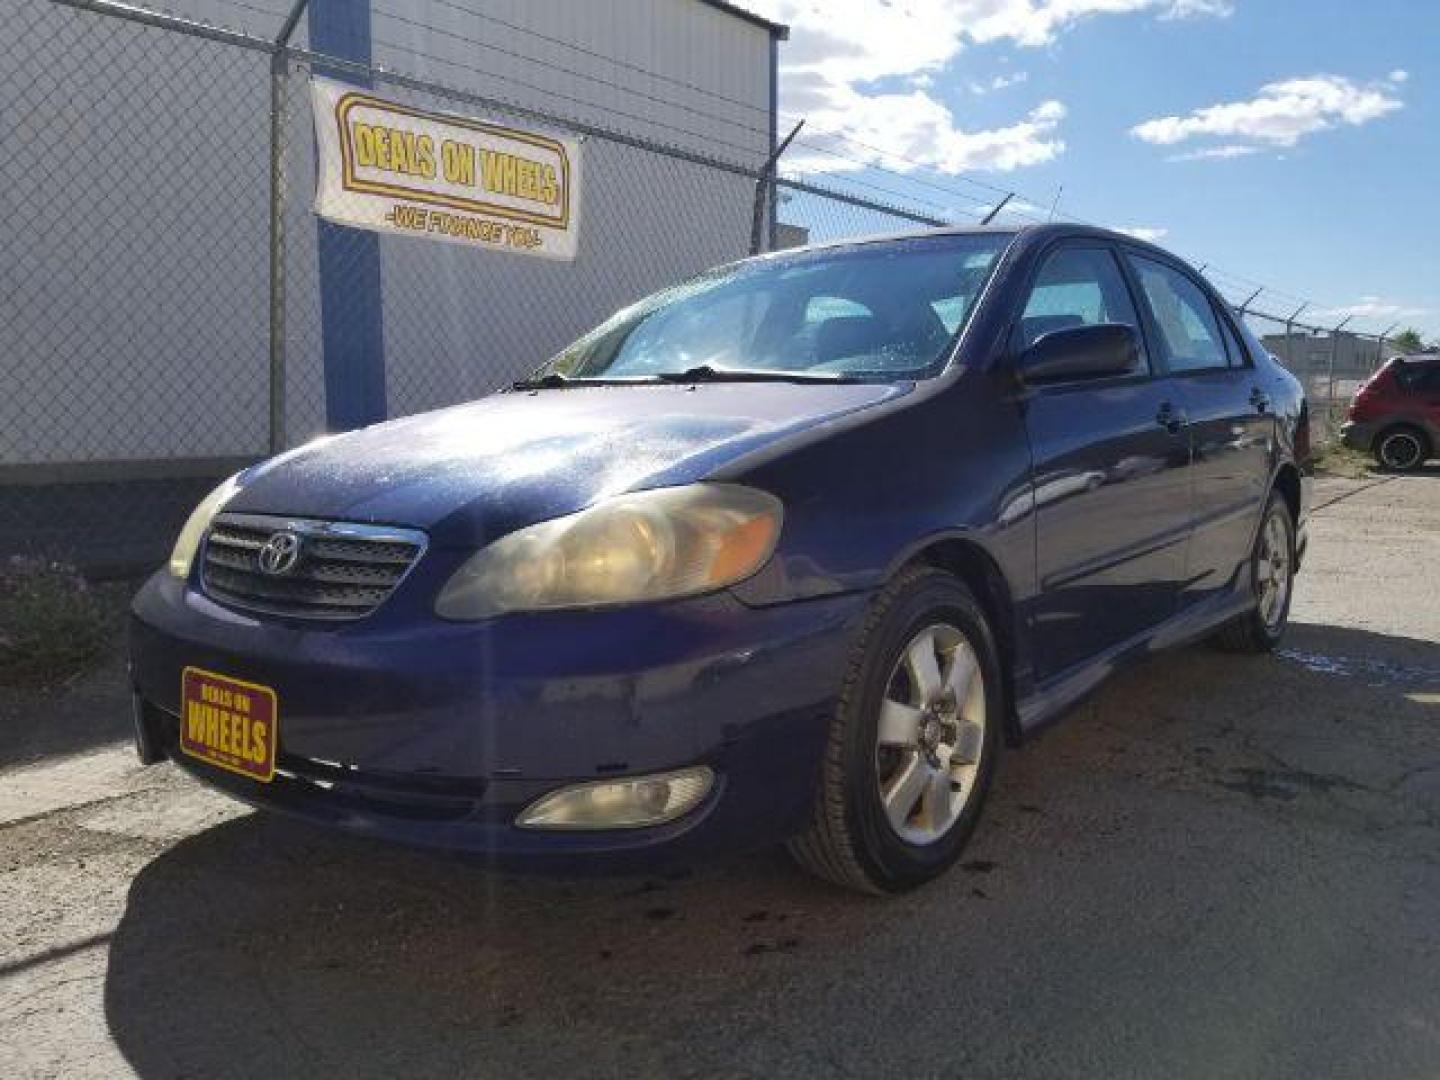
(279, 71)
(1334, 349)
(1290, 336)
(765, 185)
(1380, 347)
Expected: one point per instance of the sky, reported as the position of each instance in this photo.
(1290, 143)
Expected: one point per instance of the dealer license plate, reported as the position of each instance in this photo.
(229, 723)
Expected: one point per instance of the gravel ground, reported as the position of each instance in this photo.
(1219, 866)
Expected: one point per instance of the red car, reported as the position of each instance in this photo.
(1396, 414)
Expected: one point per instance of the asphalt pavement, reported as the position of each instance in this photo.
(1219, 866)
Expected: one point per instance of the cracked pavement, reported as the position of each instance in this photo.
(1217, 866)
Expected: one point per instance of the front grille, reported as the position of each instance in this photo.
(341, 571)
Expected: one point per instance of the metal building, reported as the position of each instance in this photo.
(134, 290)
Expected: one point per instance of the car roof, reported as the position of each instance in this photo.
(1036, 233)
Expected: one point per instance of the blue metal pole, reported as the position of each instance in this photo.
(351, 300)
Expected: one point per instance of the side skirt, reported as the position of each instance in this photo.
(1056, 696)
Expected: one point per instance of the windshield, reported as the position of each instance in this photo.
(885, 310)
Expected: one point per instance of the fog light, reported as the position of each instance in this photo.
(620, 804)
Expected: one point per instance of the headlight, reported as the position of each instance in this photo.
(199, 520)
(651, 545)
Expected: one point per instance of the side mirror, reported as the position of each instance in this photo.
(1082, 352)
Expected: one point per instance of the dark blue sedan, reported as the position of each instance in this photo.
(786, 552)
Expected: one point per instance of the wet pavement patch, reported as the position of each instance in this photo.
(1372, 672)
(1285, 784)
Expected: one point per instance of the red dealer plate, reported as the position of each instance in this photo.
(229, 723)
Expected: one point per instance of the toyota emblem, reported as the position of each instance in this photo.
(279, 554)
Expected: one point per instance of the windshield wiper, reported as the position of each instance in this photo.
(551, 381)
(706, 373)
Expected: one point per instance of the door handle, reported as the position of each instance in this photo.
(1170, 418)
(1258, 401)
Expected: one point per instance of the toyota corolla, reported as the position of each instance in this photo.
(788, 552)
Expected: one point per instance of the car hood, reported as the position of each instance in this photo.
(471, 473)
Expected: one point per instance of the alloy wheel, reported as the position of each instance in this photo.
(930, 734)
(1272, 570)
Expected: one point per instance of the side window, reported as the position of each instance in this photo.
(1188, 327)
(950, 310)
(1234, 344)
(1076, 287)
(1427, 379)
(1408, 376)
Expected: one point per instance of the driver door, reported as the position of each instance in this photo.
(1110, 480)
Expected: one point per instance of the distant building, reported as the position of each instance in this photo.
(1312, 353)
(790, 236)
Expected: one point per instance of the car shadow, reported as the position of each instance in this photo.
(262, 946)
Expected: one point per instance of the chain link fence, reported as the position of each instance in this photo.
(1330, 363)
(170, 296)
(152, 347)
(111, 256)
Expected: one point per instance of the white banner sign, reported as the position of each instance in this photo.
(391, 168)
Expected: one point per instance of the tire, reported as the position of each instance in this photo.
(1401, 448)
(853, 840)
(1256, 631)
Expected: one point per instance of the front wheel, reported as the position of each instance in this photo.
(913, 742)
(1401, 449)
(1272, 580)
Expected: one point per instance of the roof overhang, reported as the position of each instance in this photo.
(774, 29)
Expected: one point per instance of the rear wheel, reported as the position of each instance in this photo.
(913, 742)
(1272, 579)
(1402, 448)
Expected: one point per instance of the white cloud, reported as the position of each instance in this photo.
(1399, 75)
(1368, 307)
(1144, 232)
(999, 82)
(1215, 153)
(1280, 115)
(1194, 9)
(838, 48)
(883, 129)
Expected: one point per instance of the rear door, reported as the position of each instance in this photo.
(1109, 480)
(1232, 426)
(1426, 391)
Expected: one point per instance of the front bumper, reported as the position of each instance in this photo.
(436, 733)
(1358, 434)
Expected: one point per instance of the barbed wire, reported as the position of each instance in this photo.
(819, 139)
